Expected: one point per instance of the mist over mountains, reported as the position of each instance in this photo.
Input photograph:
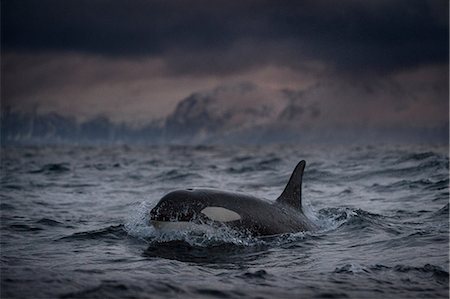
(327, 112)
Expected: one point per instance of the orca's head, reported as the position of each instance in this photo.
(180, 205)
(190, 206)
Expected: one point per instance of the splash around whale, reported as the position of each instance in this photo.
(259, 217)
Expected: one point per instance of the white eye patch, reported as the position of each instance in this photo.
(220, 214)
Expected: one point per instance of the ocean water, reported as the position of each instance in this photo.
(74, 223)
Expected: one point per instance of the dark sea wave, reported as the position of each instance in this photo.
(53, 168)
(74, 223)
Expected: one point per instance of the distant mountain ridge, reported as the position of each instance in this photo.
(246, 113)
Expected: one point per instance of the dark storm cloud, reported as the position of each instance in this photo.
(230, 36)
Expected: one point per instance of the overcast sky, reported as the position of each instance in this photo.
(134, 60)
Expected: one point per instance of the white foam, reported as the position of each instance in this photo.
(137, 224)
(177, 225)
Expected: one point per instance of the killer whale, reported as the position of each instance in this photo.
(259, 217)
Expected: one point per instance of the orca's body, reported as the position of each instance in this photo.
(238, 211)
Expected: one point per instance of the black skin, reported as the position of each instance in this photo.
(258, 217)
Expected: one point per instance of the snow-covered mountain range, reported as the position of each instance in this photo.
(330, 111)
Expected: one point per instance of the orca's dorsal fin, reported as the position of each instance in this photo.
(292, 194)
